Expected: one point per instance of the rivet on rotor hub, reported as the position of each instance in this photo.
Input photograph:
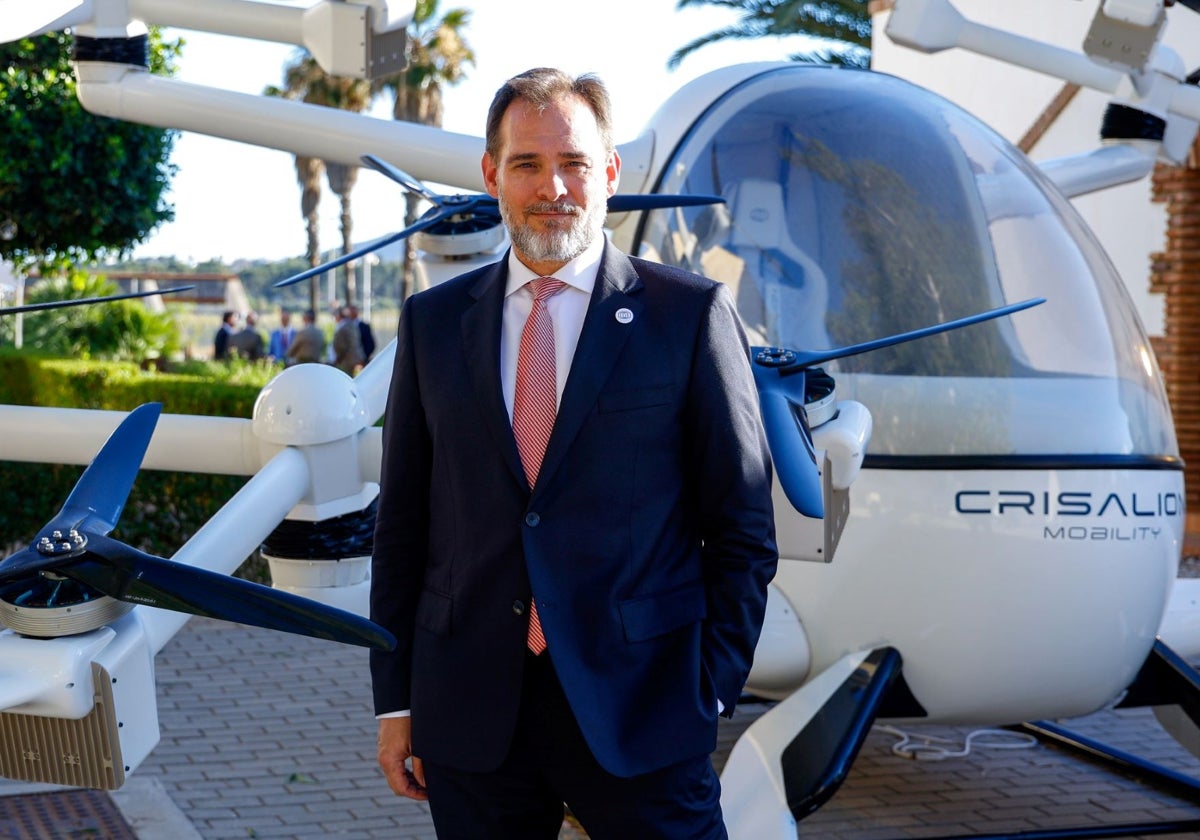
(59, 543)
(775, 357)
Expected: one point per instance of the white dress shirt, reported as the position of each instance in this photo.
(567, 310)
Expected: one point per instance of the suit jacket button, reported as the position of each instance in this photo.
(532, 520)
(518, 608)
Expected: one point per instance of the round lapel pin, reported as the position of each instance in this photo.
(624, 316)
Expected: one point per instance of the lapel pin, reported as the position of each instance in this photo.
(624, 316)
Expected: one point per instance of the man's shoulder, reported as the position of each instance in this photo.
(671, 277)
(456, 287)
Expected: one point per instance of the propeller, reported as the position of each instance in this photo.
(72, 557)
(479, 206)
(62, 304)
(781, 376)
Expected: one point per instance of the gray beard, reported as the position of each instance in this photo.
(560, 245)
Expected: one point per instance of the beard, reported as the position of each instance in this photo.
(559, 243)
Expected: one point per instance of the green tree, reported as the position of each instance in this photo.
(438, 55)
(74, 186)
(308, 176)
(844, 26)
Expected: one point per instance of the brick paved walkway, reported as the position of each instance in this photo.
(266, 735)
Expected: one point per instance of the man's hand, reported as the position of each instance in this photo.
(395, 748)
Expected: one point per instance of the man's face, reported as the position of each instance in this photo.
(553, 178)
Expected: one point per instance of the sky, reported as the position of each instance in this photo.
(234, 200)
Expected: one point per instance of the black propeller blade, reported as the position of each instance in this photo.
(480, 204)
(781, 401)
(97, 499)
(62, 304)
(781, 377)
(75, 545)
(403, 179)
(127, 574)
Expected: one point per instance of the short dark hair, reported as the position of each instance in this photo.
(542, 86)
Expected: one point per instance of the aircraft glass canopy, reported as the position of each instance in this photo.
(859, 206)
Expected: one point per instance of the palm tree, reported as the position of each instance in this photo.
(306, 81)
(342, 178)
(845, 24)
(308, 175)
(438, 55)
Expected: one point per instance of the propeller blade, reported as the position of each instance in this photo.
(451, 205)
(21, 19)
(807, 359)
(96, 501)
(402, 178)
(781, 377)
(781, 401)
(657, 201)
(129, 575)
(62, 304)
(25, 563)
(415, 227)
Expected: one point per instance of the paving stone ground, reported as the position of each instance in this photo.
(266, 735)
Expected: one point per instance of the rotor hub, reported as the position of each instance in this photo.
(58, 543)
(775, 357)
(48, 605)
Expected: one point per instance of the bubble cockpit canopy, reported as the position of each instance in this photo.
(859, 206)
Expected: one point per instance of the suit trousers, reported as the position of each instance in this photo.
(550, 764)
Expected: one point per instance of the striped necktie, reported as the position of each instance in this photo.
(535, 402)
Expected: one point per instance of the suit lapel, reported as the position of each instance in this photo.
(600, 343)
(481, 346)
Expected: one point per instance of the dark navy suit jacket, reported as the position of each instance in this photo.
(648, 540)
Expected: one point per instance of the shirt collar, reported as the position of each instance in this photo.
(580, 273)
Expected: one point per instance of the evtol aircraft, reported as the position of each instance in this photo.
(982, 526)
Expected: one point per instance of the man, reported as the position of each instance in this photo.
(347, 346)
(224, 333)
(308, 345)
(365, 333)
(281, 337)
(248, 341)
(570, 621)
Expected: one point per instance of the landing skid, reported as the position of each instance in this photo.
(795, 757)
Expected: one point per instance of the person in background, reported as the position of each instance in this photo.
(574, 533)
(228, 326)
(281, 337)
(365, 334)
(347, 345)
(308, 345)
(248, 341)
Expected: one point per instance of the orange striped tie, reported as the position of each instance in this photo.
(535, 403)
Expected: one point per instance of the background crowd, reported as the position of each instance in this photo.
(348, 346)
